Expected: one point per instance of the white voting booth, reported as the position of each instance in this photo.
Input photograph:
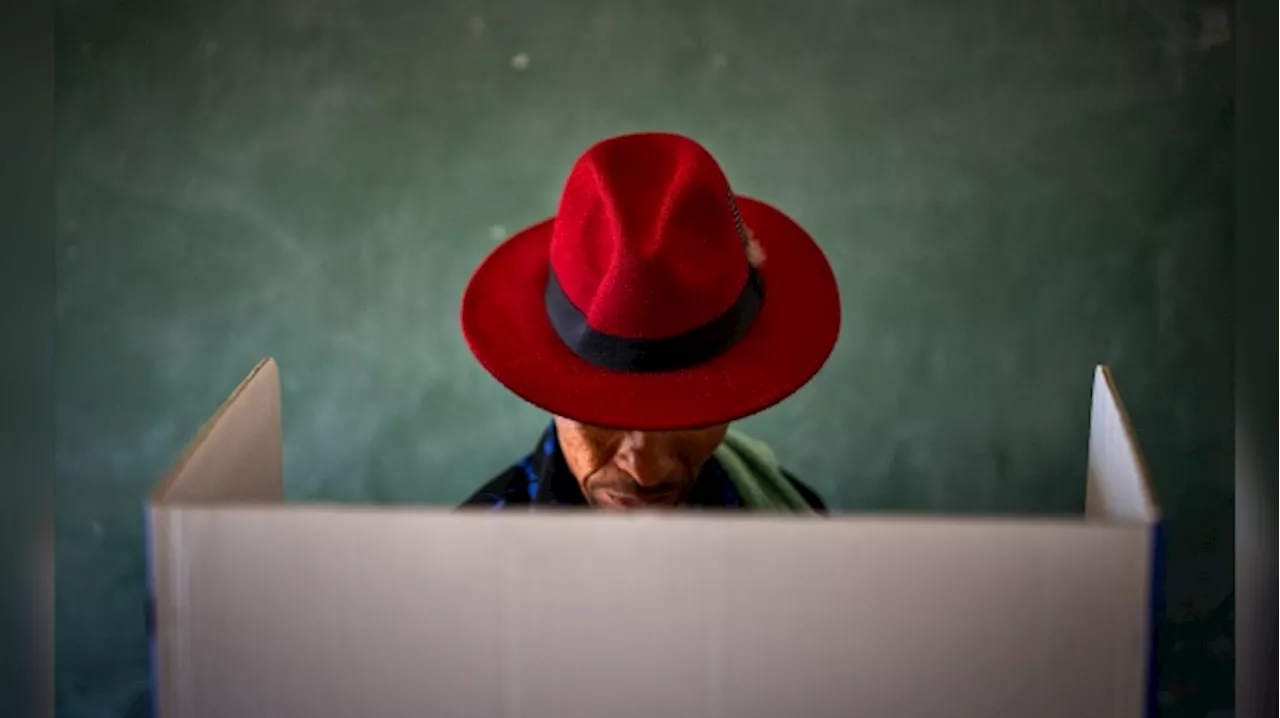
(265, 609)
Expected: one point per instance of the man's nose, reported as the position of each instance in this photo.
(646, 460)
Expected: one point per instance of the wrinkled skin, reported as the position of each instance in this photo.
(620, 469)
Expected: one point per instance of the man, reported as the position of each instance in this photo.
(655, 308)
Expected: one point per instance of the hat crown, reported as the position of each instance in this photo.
(647, 242)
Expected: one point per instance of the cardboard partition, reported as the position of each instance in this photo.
(265, 609)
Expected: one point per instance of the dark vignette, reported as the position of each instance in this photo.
(26, 359)
(1256, 359)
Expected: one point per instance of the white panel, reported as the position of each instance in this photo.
(1118, 485)
(301, 612)
(236, 457)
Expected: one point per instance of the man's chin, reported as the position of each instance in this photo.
(618, 501)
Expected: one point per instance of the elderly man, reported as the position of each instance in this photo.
(655, 308)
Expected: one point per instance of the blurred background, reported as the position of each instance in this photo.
(1010, 192)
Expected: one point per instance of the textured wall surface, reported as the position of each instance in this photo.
(1009, 192)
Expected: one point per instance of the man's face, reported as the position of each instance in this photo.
(619, 469)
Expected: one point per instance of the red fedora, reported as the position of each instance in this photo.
(655, 299)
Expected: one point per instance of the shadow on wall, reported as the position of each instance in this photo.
(1197, 663)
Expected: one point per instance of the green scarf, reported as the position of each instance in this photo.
(755, 472)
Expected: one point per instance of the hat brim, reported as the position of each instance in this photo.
(506, 326)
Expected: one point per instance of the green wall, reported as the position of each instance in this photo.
(1010, 192)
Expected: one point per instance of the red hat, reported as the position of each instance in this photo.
(656, 298)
